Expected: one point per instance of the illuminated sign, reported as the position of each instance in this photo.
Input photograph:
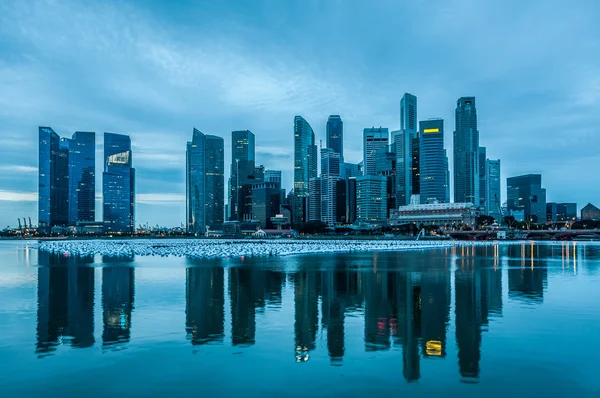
(436, 130)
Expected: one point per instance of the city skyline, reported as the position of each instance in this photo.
(267, 98)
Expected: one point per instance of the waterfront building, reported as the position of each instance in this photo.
(373, 139)
(482, 180)
(371, 204)
(525, 193)
(432, 161)
(444, 215)
(305, 167)
(341, 201)
(330, 174)
(205, 183)
(561, 212)
(351, 184)
(66, 184)
(335, 135)
(466, 152)
(314, 199)
(590, 212)
(416, 168)
(402, 146)
(493, 191)
(447, 181)
(385, 166)
(118, 184)
(266, 203)
(243, 169)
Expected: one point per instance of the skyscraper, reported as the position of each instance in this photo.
(525, 194)
(408, 113)
(402, 145)
(432, 161)
(242, 174)
(53, 183)
(118, 184)
(466, 152)
(305, 167)
(416, 167)
(335, 135)
(493, 191)
(82, 177)
(482, 179)
(314, 199)
(373, 139)
(205, 182)
(371, 205)
(330, 174)
(447, 181)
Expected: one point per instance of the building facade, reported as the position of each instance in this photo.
(82, 177)
(118, 184)
(305, 167)
(561, 212)
(482, 180)
(493, 190)
(432, 161)
(590, 212)
(314, 199)
(466, 152)
(266, 203)
(330, 174)
(402, 146)
(373, 139)
(443, 215)
(371, 205)
(243, 169)
(525, 194)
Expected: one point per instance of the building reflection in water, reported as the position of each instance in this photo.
(118, 291)
(65, 312)
(528, 276)
(205, 304)
(306, 314)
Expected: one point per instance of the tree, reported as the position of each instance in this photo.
(484, 220)
(509, 220)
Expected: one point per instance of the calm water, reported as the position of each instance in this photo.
(489, 321)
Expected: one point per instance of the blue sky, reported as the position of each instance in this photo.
(156, 69)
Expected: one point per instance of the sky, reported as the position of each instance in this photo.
(155, 70)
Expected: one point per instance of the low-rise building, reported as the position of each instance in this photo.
(444, 215)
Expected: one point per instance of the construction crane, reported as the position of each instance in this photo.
(30, 225)
(20, 227)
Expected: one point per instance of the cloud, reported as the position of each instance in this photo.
(19, 169)
(159, 198)
(15, 196)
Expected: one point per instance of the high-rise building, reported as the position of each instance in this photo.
(205, 182)
(118, 184)
(305, 167)
(371, 206)
(266, 202)
(525, 194)
(561, 212)
(259, 174)
(466, 152)
(242, 174)
(351, 170)
(402, 145)
(273, 176)
(330, 174)
(432, 161)
(335, 135)
(351, 200)
(341, 201)
(416, 168)
(408, 113)
(82, 177)
(385, 166)
(447, 181)
(493, 190)
(67, 185)
(314, 199)
(482, 179)
(373, 139)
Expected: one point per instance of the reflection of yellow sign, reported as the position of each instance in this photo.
(433, 348)
(436, 130)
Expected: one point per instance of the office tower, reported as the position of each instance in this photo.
(266, 202)
(493, 190)
(273, 176)
(305, 167)
(525, 194)
(82, 177)
(118, 184)
(53, 199)
(205, 182)
(371, 205)
(330, 174)
(551, 211)
(314, 199)
(351, 170)
(385, 166)
(447, 180)
(341, 201)
(259, 174)
(408, 113)
(402, 144)
(561, 212)
(482, 180)
(466, 152)
(335, 135)
(432, 161)
(373, 139)
(242, 174)
(416, 168)
(351, 200)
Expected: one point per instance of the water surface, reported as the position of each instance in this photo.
(492, 321)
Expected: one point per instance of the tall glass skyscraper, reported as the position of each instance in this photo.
(408, 113)
(466, 152)
(526, 195)
(305, 167)
(482, 180)
(335, 135)
(330, 174)
(205, 182)
(242, 174)
(432, 161)
(118, 184)
(82, 177)
(493, 196)
(373, 139)
(402, 146)
(53, 184)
